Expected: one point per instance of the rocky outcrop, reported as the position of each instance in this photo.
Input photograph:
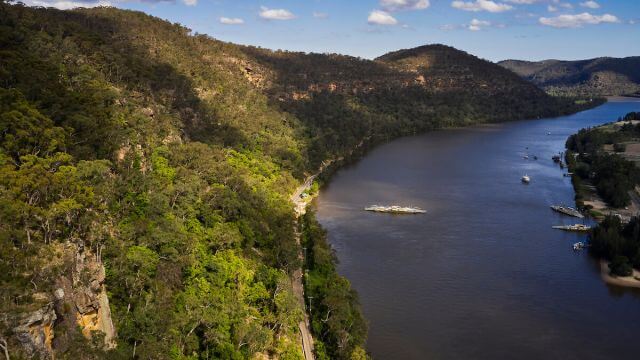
(78, 300)
(34, 331)
(81, 299)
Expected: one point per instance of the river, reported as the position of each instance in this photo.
(482, 275)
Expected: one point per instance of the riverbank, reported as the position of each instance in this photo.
(303, 196)
(632, 281)
(604, 162)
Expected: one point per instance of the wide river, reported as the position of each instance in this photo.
(482, 275)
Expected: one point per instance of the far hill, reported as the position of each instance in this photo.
(342, 99)
(443, 68)
(595, 77)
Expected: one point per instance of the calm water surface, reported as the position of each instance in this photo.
(482, 274)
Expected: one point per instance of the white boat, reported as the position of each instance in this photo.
(578, 246)
(526, 179)
(567, 211)
(576, 227)
(395, 209)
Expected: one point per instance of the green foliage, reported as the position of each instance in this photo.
(620, 266)
(620, 243)
(613, 176)
(336, 318)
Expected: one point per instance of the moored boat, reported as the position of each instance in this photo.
(526, 179)
(395, 209)
(576, 227)
(567, 211)
(579, 246)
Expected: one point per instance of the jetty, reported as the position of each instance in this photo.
(395, 209)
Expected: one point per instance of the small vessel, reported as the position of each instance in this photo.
(567, 211)
(535, 157)
(526, 157)
(569, 174)
(576, 227)
(556, 158)
(578, 246)
(526, 179)
(395, 209)
(548, 132)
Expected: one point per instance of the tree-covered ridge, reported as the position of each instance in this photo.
(97, 149)
(593, 77)
(342, 99)
(168, 159)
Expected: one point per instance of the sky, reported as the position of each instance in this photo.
(491, 29)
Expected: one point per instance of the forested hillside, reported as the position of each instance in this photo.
(145, 176)
(594, 77)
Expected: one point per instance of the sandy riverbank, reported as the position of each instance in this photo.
(626, 281)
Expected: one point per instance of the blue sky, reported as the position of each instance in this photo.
(491, 29)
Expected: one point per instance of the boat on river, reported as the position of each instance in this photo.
(576, 227)
(395, 209)
(567, 211)
(526, 179)
(579, 246)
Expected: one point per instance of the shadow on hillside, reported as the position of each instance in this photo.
(106, 40)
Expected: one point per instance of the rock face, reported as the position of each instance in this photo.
(35, 331)
(77, 301)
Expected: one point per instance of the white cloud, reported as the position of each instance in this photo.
(578, 20)
(380, 17)
(448, 27)
(551, 8)
(481, 5)
(320, 15)
(398, 5)
(523, 2)
(231, 21)
(565, 5)
(65, 5)
(476, 25)
(190, 2)
(276, 14)
(590, 4)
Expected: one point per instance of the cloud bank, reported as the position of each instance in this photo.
(481, 5)
(578, 20)
(231, 21)
(398, 5)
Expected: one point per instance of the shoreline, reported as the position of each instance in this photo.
(621, 98)
(300, 199)
(632, 281)
(598, 208)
